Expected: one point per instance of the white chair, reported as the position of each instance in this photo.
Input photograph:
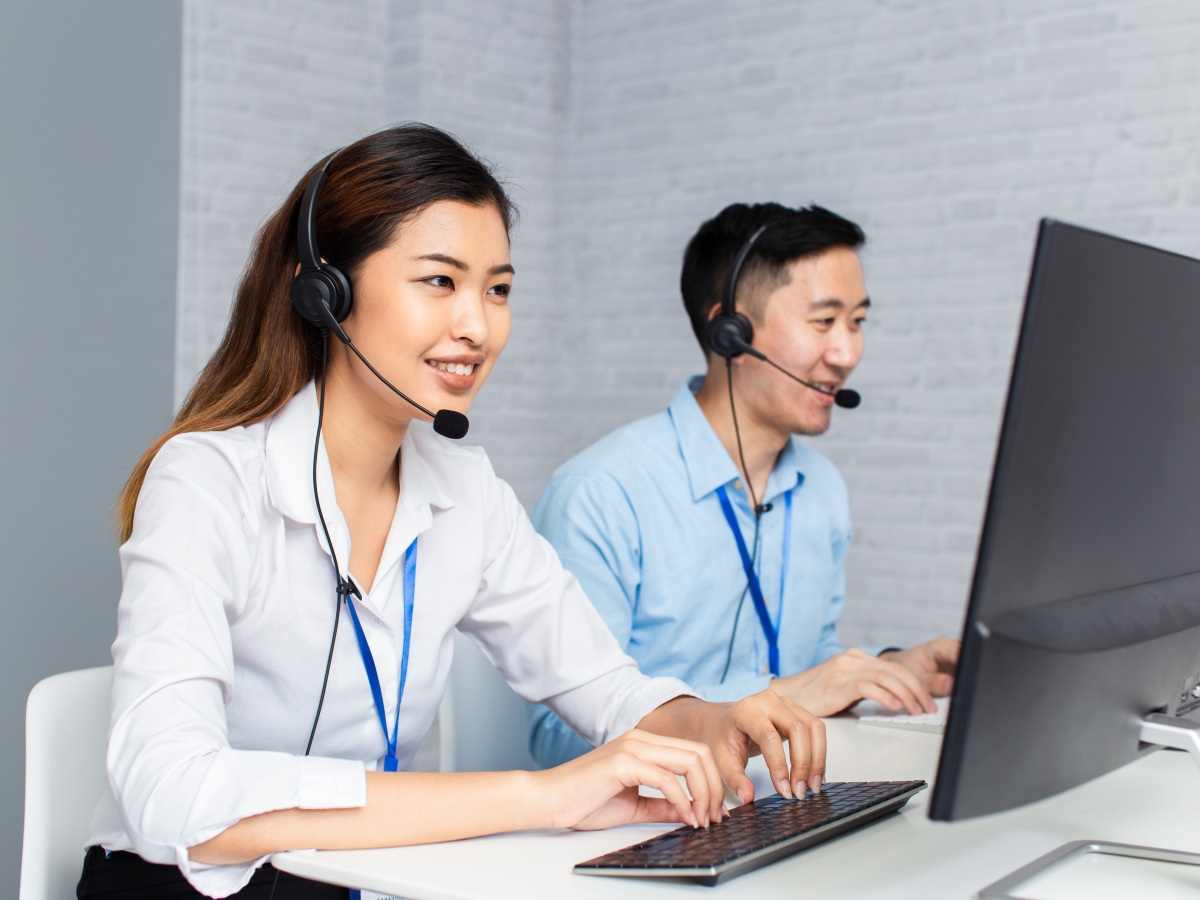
(66, 731)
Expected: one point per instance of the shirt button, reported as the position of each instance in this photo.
(737, 484)
(375, 621)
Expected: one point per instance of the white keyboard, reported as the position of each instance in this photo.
(930, 723)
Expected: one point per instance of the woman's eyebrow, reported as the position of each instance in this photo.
(462, 266)
(443, 258)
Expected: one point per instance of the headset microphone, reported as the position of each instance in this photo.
(845, 398)
(322, 295)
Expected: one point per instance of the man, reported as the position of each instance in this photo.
(710, 539)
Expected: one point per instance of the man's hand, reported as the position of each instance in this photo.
(843, 680)
(933, 663)
(737, 731)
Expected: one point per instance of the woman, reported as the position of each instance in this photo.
(291, 496)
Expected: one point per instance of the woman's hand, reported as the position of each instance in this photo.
(757, 724)
(600, 789)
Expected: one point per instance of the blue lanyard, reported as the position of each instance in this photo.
(390, 763)
(770, 629)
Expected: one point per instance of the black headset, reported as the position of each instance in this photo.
(730, 332)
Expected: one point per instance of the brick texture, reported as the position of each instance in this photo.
(268, 88)
(946, 129)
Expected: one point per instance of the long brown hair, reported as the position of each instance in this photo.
(269, 352)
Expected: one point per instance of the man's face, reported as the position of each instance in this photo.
(812, 327)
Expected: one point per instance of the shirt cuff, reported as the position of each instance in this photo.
(879, 651)
(649, 696)
(320, 783)
(327, 783)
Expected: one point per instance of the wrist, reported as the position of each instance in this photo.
(533, 799)
(680, 717)
(792, 686)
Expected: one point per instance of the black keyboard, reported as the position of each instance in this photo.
(757, 833)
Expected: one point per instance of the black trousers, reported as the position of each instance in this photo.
(126, 876)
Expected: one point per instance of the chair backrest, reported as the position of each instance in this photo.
(66, 732)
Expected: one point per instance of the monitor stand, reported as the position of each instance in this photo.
(1007, 888)
(1156, 729)
(1169, 731)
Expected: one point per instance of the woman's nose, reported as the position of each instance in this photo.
(470, 321)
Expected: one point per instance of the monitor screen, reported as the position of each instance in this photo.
(1084, 612)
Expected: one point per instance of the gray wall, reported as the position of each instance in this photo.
(89, 187)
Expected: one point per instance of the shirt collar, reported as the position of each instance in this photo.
(289, 448)
(708, 464)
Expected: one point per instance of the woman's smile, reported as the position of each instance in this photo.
(456, 372)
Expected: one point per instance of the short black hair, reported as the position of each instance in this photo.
(791, 234)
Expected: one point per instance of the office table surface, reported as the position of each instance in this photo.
(1154, 801)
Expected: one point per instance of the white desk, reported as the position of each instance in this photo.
(1154, 802)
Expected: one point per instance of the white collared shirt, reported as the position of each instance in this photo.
(227, 610)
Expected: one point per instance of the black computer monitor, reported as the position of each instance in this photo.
(1084, 613)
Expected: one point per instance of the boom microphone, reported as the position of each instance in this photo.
(448, 423)
(845, 398)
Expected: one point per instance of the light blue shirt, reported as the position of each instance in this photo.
(637, 519)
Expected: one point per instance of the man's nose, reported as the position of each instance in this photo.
(842, 350)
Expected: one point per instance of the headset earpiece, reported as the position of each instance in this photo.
(728, 335)
(320, 292)
(318, 295)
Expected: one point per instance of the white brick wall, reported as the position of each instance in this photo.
(490, 72)
(268, 87)
(945, 128)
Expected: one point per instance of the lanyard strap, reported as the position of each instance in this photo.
(390, 763)
(770, 629)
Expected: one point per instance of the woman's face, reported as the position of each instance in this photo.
(431, 309)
